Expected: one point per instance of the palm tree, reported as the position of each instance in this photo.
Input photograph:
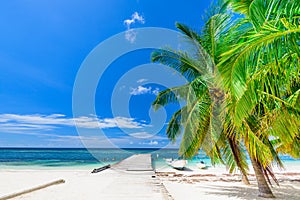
(200, 118)
(260, 73)
(258, 60)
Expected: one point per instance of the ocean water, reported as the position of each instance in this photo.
(54, 158)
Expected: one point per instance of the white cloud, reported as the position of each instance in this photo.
(26, 130)
(37, 122)
(146, 135)
(142, 80)
(130, 34)
(142, 135)
(140, 90)
(144, 90)
(150, 143)
(156, 91)
(13, 127)
(135, 17)
(122, 122)
(153, 143)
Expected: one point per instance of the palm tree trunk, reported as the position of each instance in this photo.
(235, 151)
(263, 187)
(245, 179)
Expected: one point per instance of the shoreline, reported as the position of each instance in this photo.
(289, 165)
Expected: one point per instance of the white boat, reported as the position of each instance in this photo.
(177, 164)
(201, 165)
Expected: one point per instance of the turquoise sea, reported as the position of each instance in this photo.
(56, 158)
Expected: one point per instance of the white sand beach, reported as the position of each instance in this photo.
(109, 184)
(213, 183)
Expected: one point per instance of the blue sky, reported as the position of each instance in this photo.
(43, 44)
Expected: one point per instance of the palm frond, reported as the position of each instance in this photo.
(241, 6)
(258, 150)
(232, 66)
(170, 95)
(174, 128)
(196, 124)
(180, 61)
(235, 157)
(199, 49)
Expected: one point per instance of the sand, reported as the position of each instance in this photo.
(213, 183)
(109, 184)
(228, 190)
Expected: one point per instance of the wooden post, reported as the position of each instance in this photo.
(32, 189)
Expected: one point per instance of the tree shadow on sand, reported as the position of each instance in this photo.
(285, 191)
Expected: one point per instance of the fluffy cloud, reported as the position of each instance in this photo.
(130, 34)
(135, 17)
(17, 123)
(143, 90)
(140, 90)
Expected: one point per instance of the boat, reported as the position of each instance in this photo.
(177, 164)
(201, 165)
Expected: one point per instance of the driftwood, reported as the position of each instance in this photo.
(32, 189)
(99, 169)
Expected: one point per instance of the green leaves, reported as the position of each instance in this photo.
(199, 121)
(261, 74)
(180, 61)
(238, 64)
(243, 89)
(235, 156)
(241, 6)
